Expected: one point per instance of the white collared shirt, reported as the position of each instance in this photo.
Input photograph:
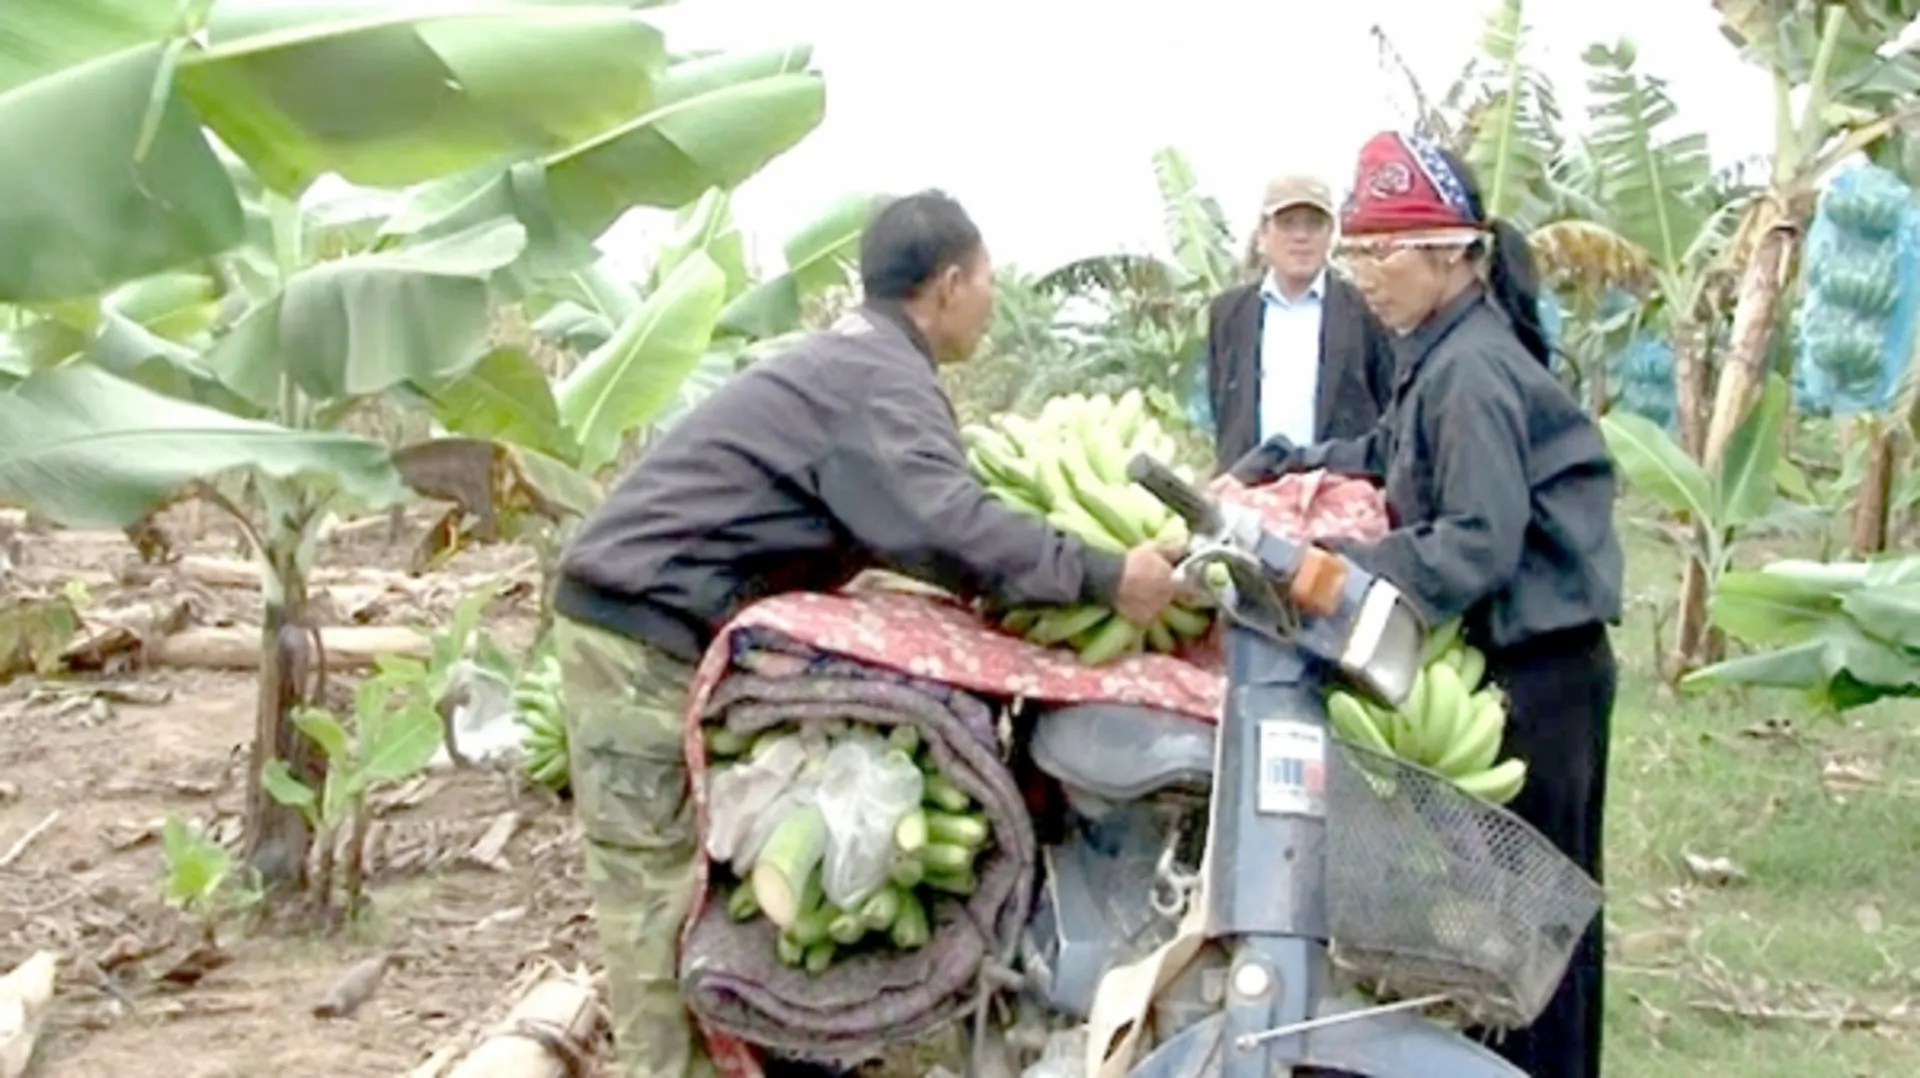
(1290, 359)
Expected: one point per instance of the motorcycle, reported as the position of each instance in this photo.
(1164, 811)
(1199, 879)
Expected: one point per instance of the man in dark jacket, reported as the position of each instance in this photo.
(839, 455)
(1297, 352)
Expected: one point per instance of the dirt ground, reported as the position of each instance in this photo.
(90, 764)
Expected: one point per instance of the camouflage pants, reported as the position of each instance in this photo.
(624, 704)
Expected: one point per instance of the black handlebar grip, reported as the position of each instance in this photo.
(1198, 510)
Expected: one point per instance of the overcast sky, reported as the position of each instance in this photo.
(1040, 115)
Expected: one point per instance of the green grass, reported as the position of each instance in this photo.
(1784, 972)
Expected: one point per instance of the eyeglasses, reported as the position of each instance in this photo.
(1368, 255)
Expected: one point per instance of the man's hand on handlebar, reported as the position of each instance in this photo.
(1146, 585)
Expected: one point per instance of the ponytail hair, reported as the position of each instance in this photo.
(1511, 275)
(1516, 287)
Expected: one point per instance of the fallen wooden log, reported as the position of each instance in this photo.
(237, 647)
(240, 573)
(25, 993)
(543, 1036)
(108, 633)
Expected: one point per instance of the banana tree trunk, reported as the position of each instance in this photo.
(1744, 368)
(1873, 504)
(1690, 624)
(277, 838)
(1692, 376)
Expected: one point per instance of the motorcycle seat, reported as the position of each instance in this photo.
(1123, 752)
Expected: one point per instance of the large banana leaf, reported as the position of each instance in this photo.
(569, 325)
(1196, 228)
(1514, 126)
(1649, 177)
(81, 209)
(122, 346)
(821, 255)
(633, 377)
(1745, 487)
(89, 449)
(598, 289)
(1574, 184)
(1778, 35)
(1839, 57)
(1654, 463)
(361, 325)
(706, 225)
(178, 306)
(474, 199)
(150, 331)
(46, 37)
(506, 397)
(1785, 36)
(389, 93)
(714, 122)
(589, 303)
(14, 365)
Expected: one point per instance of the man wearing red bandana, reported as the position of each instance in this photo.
(1501, 495)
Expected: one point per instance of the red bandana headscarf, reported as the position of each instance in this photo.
(1404, 185)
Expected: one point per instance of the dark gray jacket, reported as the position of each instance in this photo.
(1498, 483)
(839, 455)
(1356, 367)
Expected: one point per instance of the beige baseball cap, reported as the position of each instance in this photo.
(1285, 192)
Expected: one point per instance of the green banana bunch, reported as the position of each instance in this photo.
(936, 850)
(1068, 465)
(1450, 724)
(536, 700)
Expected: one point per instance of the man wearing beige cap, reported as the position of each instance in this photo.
(1296, 352)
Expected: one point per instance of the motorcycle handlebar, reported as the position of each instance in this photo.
(1200, 512)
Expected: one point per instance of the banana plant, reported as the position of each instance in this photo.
(383, 94)
(652, 352)
(87, 446)
(1499, 114)
(1843, 634)
(1657, 190)
(550, 116)
(1156, 306)
(1512, 129)
(1856, 91)
(1725, 504)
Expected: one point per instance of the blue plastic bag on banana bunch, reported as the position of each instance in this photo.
(866, 786)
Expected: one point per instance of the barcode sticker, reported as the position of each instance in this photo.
(1293, 769)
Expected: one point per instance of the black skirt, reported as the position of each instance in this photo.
(1560, 689)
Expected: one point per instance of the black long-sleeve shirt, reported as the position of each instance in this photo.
(839, 455)
(1498, 483)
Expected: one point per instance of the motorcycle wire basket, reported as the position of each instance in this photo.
(1433, 891)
